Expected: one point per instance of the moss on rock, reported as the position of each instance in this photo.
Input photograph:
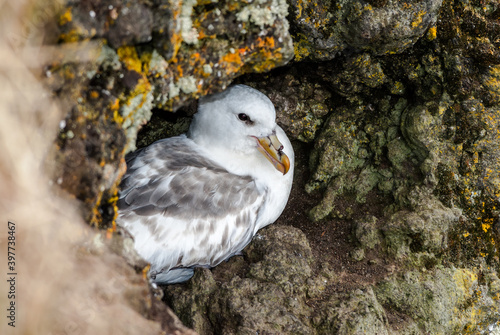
(358, 313)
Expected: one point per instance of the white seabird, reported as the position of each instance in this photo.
(195, 200)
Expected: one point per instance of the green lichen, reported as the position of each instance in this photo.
(367, 233)
(263, 12)
(423, 230)
(188, 32)
(336, 151)
(135, 108)
(187, 84)
(157, 64)
(444, 301)
(109, 58)
(358, 313)
(137, 111)
(398, 153)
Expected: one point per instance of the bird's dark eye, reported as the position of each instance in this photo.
(243, 117)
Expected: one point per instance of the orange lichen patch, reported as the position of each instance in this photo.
(145, 61)
(176, 38)
(232, 58)
(231, 62)
(113, 202)
(213, 59)
(145, 272)
(176, 41)
(66, 17)
(94, 94)
(203, 35)
(95, 215)
(117, 117)
(143, 88)
(419, 19)
(260, 56)
(128, 56)
(269, 63)
(432, 33)
(301, 47)
(180, 71)
(202, 31)
(109, 198)
(196, 62)
(195, 59)
(233, 6)
(267, 42)
(109, 233)
(243, 51)
(265, 59)
(114, 105)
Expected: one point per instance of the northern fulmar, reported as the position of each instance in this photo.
(197, 199)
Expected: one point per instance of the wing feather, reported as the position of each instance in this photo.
(173, 176)
(183, 209)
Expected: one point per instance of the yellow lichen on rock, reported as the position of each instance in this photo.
(466, 281)
(128, 56)
(301, 47)
(492, 83)
(432, 33)
(65, 17)
(418, 19)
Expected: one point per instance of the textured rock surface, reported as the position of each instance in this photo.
(324, 30)
(195, 47)
(444, 301)
(394, 109)
(269, 295)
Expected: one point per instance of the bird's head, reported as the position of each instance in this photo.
(242, 120)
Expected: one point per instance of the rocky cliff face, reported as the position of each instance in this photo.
(394, 109)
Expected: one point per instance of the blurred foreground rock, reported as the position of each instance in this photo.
(70, 279)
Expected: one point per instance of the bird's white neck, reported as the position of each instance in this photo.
(253, 164)
(267, 179)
